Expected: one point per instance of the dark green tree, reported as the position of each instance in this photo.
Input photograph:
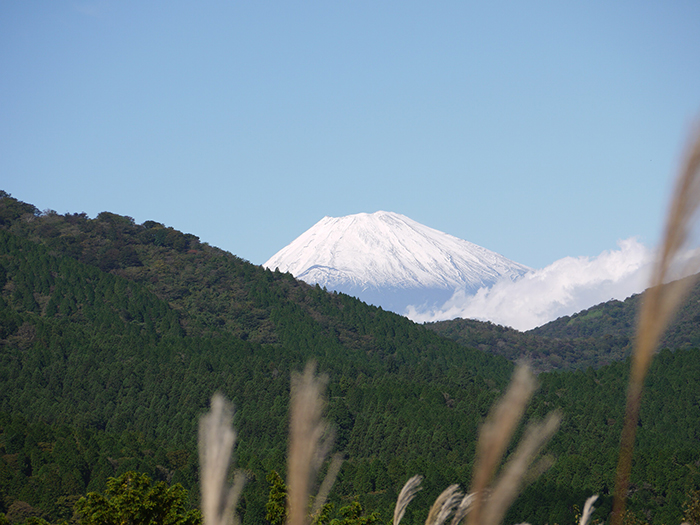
(353, 515)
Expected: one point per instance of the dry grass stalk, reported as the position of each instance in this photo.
(216, 441)
(659, 304)
(494, 437)
(462, 509)
(444, 505)
(496, 433)
(510, 481)
(588, 510)
(309, 441)
(408, 492)
(333, 469)
(541, 466)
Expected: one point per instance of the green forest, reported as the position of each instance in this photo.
(594, 337)
(115, 335)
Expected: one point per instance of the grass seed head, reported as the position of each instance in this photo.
(216, 441)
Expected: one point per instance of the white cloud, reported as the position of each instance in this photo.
(566, 286)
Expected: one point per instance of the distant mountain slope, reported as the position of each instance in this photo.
(542, 352)
(593, 337)
(389, 260)
(620, 317)
(608, 318)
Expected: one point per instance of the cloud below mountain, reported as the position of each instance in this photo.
(566, 286)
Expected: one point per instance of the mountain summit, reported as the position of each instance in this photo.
(389, 260)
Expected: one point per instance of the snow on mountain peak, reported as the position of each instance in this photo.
(387, 259)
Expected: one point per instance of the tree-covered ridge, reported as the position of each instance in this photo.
(593, 337)
(116, 373)
(111, 350)
(544, 353)
(619, 318)
(217, 293)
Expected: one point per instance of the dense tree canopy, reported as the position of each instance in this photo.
(134, 499)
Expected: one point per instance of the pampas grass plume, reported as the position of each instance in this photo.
(408, 492)
(659, 304)
(494, 437)
(462, 509)
(588, 510)
(216, 441)
(444, 505)
(497, 432)
(309, 443)
(511, 480)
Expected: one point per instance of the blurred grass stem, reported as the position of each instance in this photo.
(659, 304)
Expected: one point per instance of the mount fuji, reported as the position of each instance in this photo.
(389, 260)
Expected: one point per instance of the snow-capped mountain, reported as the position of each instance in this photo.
(389, 260)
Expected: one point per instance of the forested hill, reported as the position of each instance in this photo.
(114, 336)
(618, 318)
(214, 293)
(593, 337)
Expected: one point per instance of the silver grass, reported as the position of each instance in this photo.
(588, 510)
(510, 481)
(216, 441)
(659, 304)
(541, 466)
(333, 469)
(444, 505)
(309, 441)
(462, 509)
(497, 432)
(408, 492)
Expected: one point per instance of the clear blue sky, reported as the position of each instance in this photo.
(535, 129)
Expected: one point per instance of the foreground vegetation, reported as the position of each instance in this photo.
(114, 335)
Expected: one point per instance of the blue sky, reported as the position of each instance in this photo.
(535, 129)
